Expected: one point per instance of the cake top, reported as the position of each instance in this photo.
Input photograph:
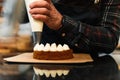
(52, 47)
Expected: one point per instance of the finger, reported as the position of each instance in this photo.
(41, 3)
(43, 18)
(40, 11)
(48, 1)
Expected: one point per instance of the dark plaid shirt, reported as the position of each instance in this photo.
(87, 27)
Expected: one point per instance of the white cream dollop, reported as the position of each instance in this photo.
(59, 47)
(41, 47)
(66, 47)
(53, 47)
(47, 47)
(36, 47)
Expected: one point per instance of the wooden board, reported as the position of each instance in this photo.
(28, 58)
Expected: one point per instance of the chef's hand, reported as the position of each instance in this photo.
(45, 11)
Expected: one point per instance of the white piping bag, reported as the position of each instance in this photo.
(36, 25)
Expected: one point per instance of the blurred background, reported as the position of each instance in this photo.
(14, 36)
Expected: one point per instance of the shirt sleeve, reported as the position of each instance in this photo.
(102, 38)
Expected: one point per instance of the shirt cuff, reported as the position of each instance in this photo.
(68, 25)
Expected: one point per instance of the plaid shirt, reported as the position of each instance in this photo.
(91, 29)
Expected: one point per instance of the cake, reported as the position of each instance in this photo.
(52, 52)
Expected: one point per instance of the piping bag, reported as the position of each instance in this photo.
(36, 25)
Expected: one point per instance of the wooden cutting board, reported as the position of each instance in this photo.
(28, 58)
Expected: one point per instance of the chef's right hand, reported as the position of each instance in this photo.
(45, 11)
